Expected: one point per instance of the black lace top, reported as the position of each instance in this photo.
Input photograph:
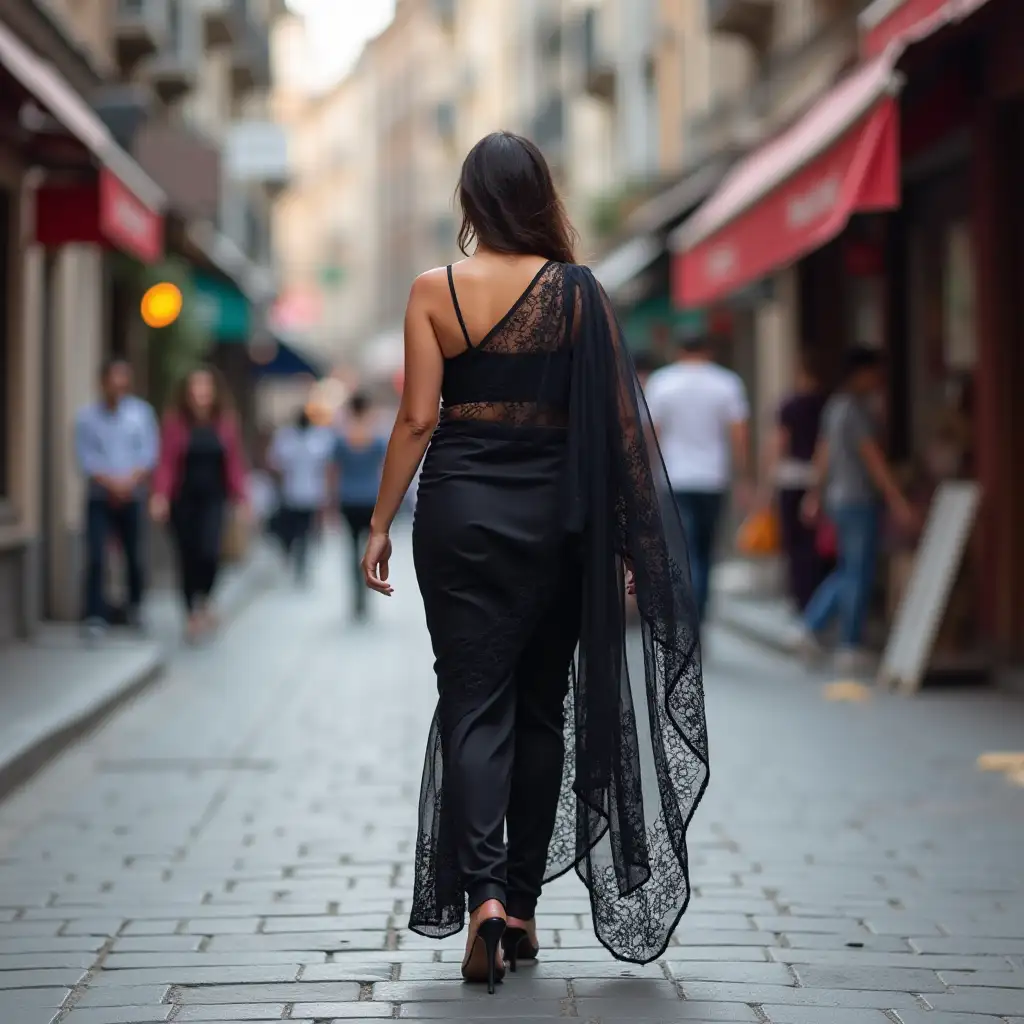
(520, 371)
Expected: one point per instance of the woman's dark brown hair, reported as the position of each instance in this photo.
(510, 203)
(222, 404)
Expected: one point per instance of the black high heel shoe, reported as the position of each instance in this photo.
(518, 947)
(490, 933)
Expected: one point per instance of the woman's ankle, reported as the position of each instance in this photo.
(487, 910)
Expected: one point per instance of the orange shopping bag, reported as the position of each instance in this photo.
(759, 534)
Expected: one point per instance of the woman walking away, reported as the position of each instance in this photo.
(542, 486)
(358, 458)
(201, 470)
(791, 472)
(300, 454)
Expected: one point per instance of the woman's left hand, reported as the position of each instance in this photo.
(375, 564)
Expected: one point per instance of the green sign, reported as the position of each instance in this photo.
(657, 316)
(222, 309)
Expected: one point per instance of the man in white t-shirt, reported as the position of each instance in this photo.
(701, 414)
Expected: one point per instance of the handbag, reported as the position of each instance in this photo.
(758, 535)
(236, 538)
(825, 540)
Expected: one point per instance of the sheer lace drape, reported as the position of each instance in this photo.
(636, 737)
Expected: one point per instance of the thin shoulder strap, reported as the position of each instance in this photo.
(458, 309)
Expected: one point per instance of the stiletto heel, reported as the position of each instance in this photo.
(490, 933)
(517, 946)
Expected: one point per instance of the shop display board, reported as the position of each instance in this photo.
(936, 564)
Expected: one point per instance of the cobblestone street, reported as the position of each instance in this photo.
(235, 845)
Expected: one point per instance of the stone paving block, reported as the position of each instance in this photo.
(457, 991)
(350, 971)
(50, 944)
(138, 995)
(984, 979)
(968, 945)
(868, 958)
(231, 1012)
(120, 1015)
(157, 944)
(221, 926)
(342, 1011)
(813, 1015)
(686, 936)
(337, 923)
(718, 954)
(733, 973)
(712, 991)
(656, 1012)
(269, 958)
(995, 1001)
(45, 961)
(202, 975)
(545, 969)
(105, 926)
(54, 978)
(28, 1004)
(878, 978)
(931, 1017)
(150, 927)
(508, 1010)
(21, 930)
(323, 941)
(794, 925)
(855, 941)
(289, 992)
(615, 990)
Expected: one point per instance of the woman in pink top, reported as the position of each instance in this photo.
(201, 470)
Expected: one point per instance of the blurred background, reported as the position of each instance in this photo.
(789, 176)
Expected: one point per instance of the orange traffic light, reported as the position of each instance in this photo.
(161, 305)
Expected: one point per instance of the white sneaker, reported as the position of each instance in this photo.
(93, 631)
(805, 644)
(855, 660)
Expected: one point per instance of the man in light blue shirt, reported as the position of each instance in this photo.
(116, 443)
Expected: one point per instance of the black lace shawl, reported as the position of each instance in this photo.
(636, 740)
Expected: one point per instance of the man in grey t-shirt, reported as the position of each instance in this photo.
(856, 479)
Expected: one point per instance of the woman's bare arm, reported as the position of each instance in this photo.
(418, 412)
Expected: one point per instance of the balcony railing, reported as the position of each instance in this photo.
(598, 64)
(751, 19)
(140, 29)
(221, 24)
(548, 129)
(250, 56)
(174, 70)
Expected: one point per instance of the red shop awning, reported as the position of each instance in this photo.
(797, 191)
(122, 205)
(900, 22)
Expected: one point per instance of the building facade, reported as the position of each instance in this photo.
(121, 181)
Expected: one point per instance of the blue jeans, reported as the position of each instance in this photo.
(700, 511)
(848, 589)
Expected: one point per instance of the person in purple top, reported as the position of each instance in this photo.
(791, 473)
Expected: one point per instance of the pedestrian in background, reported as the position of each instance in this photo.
(116, 441)
(541, 484)
(789, 470)
(701, 415)
(853, 480)
(358, 460)
(201, 471)
(300, 454)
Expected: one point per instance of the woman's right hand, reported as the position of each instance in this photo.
(375, 563)
(159, 509)
(810, 508)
